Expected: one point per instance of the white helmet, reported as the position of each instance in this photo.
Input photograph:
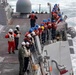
(29, 35)
(10, 30)
(33, 33)
(15, 29)
(27, 43)
(38, 26)
(18, 26)
(23, 43)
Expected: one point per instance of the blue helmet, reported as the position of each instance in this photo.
(32, 11)
(44, 20)
(55, 5)
(59, 15)
(42, 24)
(49, 19)
(35, 28)
(61, 19)
(31, 30)
(37, 25)
(54, 9)
(53, 21)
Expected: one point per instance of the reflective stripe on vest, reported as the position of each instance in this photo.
(11, 37)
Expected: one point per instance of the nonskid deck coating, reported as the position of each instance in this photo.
(9, 64)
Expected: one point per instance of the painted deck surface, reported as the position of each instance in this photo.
(9, 64)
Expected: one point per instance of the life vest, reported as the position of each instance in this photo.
(26, 34)
(54, 25)
(26, 52)
(26, 39)
(40, 30)
(49, 25)
(45, 26)
(18, 34)
(36, 32)
(11, 37)
(57, 17)
(54, 14)
(32, 16)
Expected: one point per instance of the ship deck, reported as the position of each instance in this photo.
(9, 64)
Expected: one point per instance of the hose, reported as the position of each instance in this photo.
(56, 64)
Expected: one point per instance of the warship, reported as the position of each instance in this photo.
(49, 59)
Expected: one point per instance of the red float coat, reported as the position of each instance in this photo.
(11, 42)
(49, 24)
(54, 26)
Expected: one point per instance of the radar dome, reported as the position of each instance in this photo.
(23, 6)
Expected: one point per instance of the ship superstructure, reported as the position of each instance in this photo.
(5, 12)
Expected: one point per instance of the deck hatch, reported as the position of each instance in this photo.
(70, 42)
(72, 51)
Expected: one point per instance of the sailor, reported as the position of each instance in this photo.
(43, 35)
(21, 58)
(57, 9)
(45, 32)
(29, 38)
(31, 31)
(49, 24)
(53, 31)
(27, 54)
(55, 16)
(11, 42)
(60, 20)
(33, 18)
(38, 31)
(17, 32)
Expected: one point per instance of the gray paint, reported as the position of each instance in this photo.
(59, 52)
(0, 1)
(71, 31)
(23, 6)
(38, 44)
(5, 14)
(8, 10)
(61, 26)
(70, 42)
(3, 18)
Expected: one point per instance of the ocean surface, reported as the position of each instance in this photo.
(68, 7)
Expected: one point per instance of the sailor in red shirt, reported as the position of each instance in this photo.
(49, 23)
(32, 18)
(11, 42)
(30, 39)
